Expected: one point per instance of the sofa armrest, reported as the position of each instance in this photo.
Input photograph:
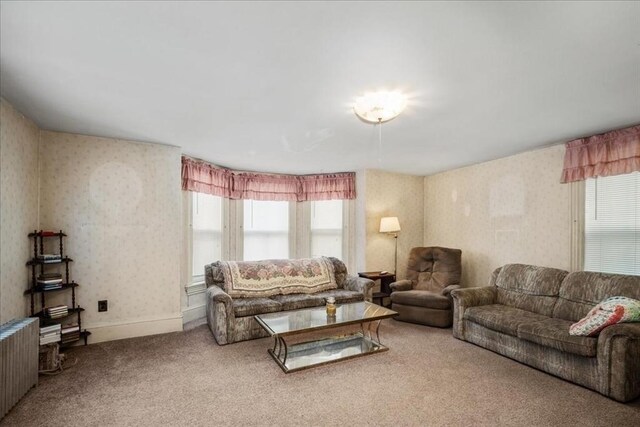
(619, 361)
(401, 285)
(360, 284)
(469, 297)
(220, 315)
(447, 291)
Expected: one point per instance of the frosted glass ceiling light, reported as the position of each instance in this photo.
(379, 107)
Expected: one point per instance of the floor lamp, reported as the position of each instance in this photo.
(390, 225)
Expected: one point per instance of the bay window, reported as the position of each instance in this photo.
(249, 230)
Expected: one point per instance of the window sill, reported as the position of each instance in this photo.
(195, 288)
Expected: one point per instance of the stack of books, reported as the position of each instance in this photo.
(49, 334)
(48, 281)
(70, 333)
(50, 258)
(56, 312)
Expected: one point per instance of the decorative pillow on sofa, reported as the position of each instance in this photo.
(277, 277)
(609, 312)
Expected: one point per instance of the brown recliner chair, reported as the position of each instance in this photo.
(424, 297)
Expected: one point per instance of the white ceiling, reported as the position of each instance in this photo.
(267, 86)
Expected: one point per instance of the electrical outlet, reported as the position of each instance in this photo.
(103, 305)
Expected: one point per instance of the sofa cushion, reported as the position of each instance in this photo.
(501, 318)
(419, 298)
(582, 290)
(342, 296)
(297, 301)
(529, 287)
(554, 333)
(339, 271)
(252, 306)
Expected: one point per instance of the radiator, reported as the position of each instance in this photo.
(19, 343)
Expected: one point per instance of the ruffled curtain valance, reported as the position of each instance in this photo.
(612, 153)
(204, 177)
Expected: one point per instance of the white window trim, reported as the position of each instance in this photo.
(577, 225)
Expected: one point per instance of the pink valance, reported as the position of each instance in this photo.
(204, 177)
(612, 153)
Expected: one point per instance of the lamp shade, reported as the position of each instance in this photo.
(389, 224)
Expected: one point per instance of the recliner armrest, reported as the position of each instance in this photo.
(447, 291)
(469, 297)
(360, 284)
(401, 285)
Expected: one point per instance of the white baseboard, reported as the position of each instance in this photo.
(196, 312)
(133, 328)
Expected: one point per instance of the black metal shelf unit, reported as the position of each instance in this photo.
(37, 263)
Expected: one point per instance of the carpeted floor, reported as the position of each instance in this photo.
(427, 378)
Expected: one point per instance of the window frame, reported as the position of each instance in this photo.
(238, 254)
(578, 225)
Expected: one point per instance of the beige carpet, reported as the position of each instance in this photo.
(427, 378)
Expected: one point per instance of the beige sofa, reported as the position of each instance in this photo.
(232, 319)
(526, 312)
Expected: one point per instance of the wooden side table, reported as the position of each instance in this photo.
(385, 280)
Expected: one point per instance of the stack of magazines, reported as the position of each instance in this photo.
(70, 333)
(48, 281)
(50, 258)
(56, 311)
(49, 334)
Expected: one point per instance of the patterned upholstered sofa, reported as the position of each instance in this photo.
(232, 319)
(526, 312)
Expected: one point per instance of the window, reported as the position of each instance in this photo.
(266, 230)
(223, 229)
(612, 224)
(206, 232)
(326, 228)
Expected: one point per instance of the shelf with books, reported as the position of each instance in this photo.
(45, 278)
(36, 261)
(44, 319)
(83, 335)
(62, 287)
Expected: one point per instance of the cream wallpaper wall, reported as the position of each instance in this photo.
(503, 211)
(19, 208)
(392, 194)
(120, 203)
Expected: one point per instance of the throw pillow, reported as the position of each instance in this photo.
(609, 312)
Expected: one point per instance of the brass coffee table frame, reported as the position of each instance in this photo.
(300, 356)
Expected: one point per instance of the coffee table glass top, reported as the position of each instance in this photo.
(309, 319)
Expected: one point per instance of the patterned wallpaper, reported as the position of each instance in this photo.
(120, 203)
(19, 208)
(503, 211)
(392, 194)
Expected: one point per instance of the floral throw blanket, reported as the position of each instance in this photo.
(277, 277)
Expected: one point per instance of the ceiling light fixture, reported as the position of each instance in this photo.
(379, 107)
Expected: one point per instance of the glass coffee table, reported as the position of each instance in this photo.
(364, 341)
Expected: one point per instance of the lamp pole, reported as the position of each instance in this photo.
(395, 265)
